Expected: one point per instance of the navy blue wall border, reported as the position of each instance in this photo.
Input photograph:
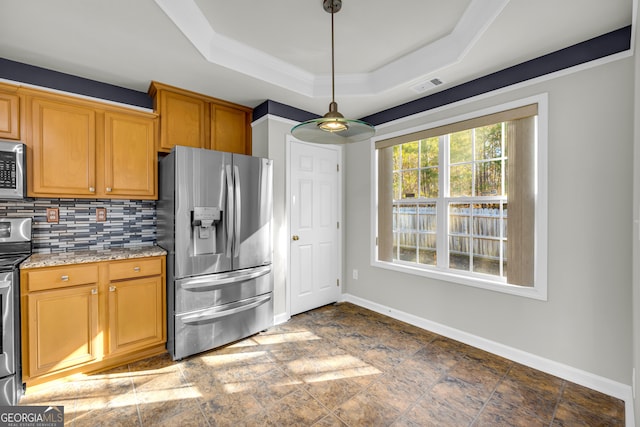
(599, 47)
(282, 110)
(590, 50)
(24, 73)
(596, 48)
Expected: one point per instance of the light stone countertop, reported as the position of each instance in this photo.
(94, 255)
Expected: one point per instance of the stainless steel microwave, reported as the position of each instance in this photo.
(13, 181)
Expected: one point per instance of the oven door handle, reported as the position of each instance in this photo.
(211, 282)
(225, 310)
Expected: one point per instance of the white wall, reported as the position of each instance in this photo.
(269, 140)
(586, 322)
(636, 231)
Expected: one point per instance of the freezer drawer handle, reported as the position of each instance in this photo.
(197, 284)
(212, 314)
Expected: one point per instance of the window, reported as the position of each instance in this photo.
(461, 201)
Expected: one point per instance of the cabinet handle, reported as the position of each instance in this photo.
(64, 278)
(136, 269)
(94, 291)
(92, 189)
(108, 189)
(112, 288)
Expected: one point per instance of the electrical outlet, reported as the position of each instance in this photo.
(53, 215)
(355, 274)
(101, 214)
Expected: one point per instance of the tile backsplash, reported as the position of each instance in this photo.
(129, 223)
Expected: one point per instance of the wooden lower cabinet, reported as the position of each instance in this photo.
(63, 328)
(71, 326)
(136, 313)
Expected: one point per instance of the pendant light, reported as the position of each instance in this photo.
(333, 128)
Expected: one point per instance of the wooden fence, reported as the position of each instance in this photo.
(414, 226)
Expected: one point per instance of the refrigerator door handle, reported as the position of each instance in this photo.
(209, 282)
(238, 200)
(226, 310)
(230, 210)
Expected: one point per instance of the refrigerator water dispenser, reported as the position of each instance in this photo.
(204, 224)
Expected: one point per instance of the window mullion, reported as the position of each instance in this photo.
(417, 230)
(474, 194)
(442, 240)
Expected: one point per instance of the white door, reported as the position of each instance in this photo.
(314, 225)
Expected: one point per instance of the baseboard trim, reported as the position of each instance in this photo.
(281, 318)
(569, 373)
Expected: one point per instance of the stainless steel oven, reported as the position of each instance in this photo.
(15, 247)
(12, 170)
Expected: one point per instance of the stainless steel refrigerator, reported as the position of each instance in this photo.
(214, 219)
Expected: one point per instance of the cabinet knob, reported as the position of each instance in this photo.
(92, 189)
(64, 278)
(94, 291)
(108, 189)
(136, 269)
(295, 237)
(112, 288)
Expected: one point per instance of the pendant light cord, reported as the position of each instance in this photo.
(333, 71)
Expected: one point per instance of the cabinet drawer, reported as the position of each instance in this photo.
(61, 277)
(140, 267)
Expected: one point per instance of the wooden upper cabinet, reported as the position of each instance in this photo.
(9, 112)
(183, 117)
(230, 129)
(63, 139)
(82, 149)
(130, 165)
(195, 120)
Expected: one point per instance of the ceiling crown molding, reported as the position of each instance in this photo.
(229, 53)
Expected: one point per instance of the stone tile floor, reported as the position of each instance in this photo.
(339, 365)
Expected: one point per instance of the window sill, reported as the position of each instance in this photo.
(538, 292)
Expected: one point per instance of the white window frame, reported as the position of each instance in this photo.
(539, 289)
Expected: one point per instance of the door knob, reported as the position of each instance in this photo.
(295, 237)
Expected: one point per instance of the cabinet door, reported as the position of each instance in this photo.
(182, 120)
(136, 314)
(9, 115)
(230, 130)
(130, 158)
(63, 141)
(63, 328)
